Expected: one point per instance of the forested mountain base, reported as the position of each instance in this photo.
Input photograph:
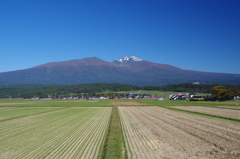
(27, 91)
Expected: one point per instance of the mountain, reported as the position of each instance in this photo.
(127, 70)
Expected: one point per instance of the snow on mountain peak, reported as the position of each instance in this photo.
(131, 58)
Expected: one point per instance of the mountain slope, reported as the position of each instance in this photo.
(128, 70)
(85, 70)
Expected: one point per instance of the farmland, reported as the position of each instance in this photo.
(154, 132)
(231, 113)
(119, 129)
(53, 132)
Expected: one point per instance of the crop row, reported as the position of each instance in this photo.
(10, 112)
(138, 142)
(64, 133)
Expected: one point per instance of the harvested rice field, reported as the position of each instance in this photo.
(155, 132)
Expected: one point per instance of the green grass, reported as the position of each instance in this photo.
(114, 145)
(6, 104)
(186, 103)
(55, 103)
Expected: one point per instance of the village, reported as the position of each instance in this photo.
(177, 96)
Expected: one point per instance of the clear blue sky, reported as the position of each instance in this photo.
(201, 35)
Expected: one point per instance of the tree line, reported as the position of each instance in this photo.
(222, 92)
(43, 91)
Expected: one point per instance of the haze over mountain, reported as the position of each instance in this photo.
(127, 70)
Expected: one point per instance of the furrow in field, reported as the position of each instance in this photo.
(65, 149)
(20, 136)
(94, 143)
(182, 135)
(130, 134)
(19, 112)
(72, 143)
(138, 143)
(7, 130)
(38, 133)
(90, 151)
(84, 139)
(138, 137)
(14, 128)
(66, 133)
(207, 125)
(58, 135)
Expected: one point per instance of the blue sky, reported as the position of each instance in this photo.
(201, 35)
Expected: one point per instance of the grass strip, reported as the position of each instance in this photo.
(198, 113)
(219, 107)
(114, 146)
(125, 152)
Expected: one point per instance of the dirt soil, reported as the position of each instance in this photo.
(177, 135)
(214, 111)
(128, 103)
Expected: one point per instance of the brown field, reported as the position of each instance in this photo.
(128, 103)
(232, 107)
(214, 111)
(154, 132)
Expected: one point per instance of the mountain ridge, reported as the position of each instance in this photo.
(127, 70)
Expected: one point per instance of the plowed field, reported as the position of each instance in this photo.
(154, 132)
(214, 111)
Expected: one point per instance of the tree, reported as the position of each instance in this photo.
(222, 93)
(218, 91)
(234, 92)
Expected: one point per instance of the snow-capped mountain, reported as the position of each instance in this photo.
(127, 70)
(126, 60)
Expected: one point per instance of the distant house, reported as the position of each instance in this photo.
(93, 98)
(194, 97)
(179, 96)
(103, 98)
(237, 98)
(45, 98)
